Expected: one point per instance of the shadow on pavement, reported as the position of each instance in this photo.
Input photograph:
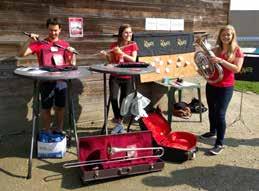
(219, 177)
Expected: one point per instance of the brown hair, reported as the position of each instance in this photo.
(121, 29)
(53, 21)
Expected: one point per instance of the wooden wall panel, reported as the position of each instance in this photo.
(101, 21)
(171, 66)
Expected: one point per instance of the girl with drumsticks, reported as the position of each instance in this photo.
(229, 55)
(122, 51)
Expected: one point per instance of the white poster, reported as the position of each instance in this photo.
(163, 24)
(177, 25)
(150, 24)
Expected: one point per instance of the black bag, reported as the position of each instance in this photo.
(194, 105)
(182, 110)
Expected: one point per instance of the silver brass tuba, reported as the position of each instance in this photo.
(213, 73)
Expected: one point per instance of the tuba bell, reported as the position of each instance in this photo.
(213, 73)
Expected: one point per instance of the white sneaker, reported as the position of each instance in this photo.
(217, 149)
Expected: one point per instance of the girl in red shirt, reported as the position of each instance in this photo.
(122, 51)
(230, 57)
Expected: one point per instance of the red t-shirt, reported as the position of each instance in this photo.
(117, 59)
(228, 76)
(49, 54)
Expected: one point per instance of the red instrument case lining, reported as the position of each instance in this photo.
(179, 146)
(94, 148)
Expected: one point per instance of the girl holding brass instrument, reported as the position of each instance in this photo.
(122, 51)
(219, 94)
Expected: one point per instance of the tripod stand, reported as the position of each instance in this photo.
(240, 117)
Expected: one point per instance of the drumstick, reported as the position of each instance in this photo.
(121, 46)
(60, 46)
(38, 39)
(110, 50)
(29, 35)
(55, 44)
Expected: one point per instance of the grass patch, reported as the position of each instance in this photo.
(247, 86)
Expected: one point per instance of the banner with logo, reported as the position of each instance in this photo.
(153, 44)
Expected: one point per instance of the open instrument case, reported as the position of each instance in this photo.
(118, 155)
(179, 146)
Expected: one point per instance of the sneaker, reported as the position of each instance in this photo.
(217, 149)
(118, 129)
(208, 135)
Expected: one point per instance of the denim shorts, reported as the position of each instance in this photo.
(52, 95)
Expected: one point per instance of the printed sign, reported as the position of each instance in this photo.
(75, 27)
(150, 24)
(163, 24)
(177, 25)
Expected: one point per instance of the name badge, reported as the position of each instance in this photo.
(58, 59)
(53, 49)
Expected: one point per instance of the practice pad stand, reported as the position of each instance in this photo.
(106, 106)
(240, 116)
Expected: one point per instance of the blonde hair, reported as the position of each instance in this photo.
(233, 45)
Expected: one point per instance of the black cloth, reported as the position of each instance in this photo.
(250, 69)
(163, 43)
(194, 105)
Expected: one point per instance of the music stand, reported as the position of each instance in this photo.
(240, 116)
(248, 73)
